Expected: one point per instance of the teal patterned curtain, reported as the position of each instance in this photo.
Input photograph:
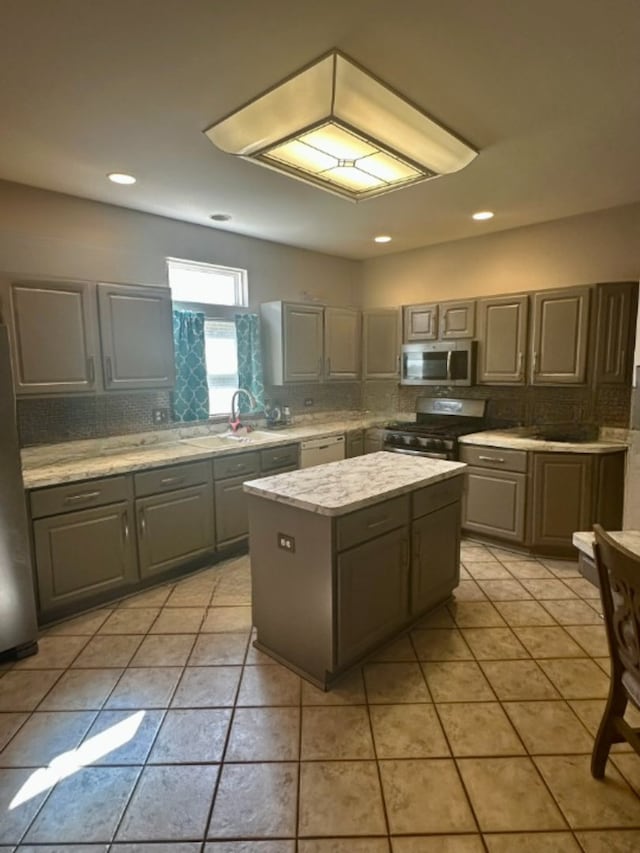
(191, 395)
(250, 373)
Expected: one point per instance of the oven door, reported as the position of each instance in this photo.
(438, 364)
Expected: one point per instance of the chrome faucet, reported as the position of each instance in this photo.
(234, 418)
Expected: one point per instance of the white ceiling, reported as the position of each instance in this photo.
(547, 90)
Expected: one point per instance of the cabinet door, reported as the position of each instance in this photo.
(53, 336)
(232, 519)
(381, 344)
(457, 319)
(373, 595)
(616, 307)
(303, 351)
(559, 338)
(355, 443)
(137, 336)
(174, 528)
(342, 346)
(83, 554)
(502, 337)
(494, 503)
(373, 440)
(561, 498)
(435, 557)
(420, 322)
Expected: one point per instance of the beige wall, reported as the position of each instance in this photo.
(49, 234)
(602, 246)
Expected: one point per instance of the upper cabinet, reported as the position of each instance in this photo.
(60, 337)
(309, 343)
(560, 330)
(136, 335)
(54, 337)
(616, 311)
(439, 321)
(502, 339)
(381, 344)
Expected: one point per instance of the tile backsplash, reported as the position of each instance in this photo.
(56, 419)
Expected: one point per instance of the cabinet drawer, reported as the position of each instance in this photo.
(169, 479)
(434, 497)
(494, 457)
(278, 457)
(370, 522)
(234, 466)
(72, 496)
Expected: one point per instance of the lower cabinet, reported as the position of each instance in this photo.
(83, 554)
(561, 498)
(355, 443)
(372, 593)
(495, 503)
(174, 528)
(232, 518)
(373, 439)
(435, 557)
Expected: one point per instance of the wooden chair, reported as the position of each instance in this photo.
(619, 575)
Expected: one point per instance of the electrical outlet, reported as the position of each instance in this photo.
(286, 542)
(308, 401)
(160, 416)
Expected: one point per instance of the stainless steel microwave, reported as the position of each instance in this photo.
(444, 363)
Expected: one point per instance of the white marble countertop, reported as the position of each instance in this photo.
(338, 488)
(523, 438)
(630, 539)
(74, 461)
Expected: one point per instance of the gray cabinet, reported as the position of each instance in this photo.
(435, 557)
(420, 322)
(303, 343)
(457, 319)
(372, 593)
(495, 503)
(342, 344)
(373, 439)
(54, 337)
(561, 498)
(381, 344)
(354, 443)
(232, 519)
(136, 336)
(560, 331)
(616, 312)
(502, 339)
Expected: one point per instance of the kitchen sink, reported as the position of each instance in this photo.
(222, 439)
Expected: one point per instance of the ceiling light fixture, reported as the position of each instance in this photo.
(482, 215)
(334, 125)
(382, 238)
(121, 178)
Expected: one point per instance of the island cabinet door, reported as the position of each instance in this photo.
(435, 557)
(373, 593)
(174, 528)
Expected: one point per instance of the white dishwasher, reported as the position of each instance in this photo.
(317, 451)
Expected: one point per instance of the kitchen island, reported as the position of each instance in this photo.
(345, 555)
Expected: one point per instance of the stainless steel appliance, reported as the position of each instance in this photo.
(18, 626)
(444, 363)
(439, 422)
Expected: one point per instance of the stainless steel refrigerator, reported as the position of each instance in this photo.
(18, 626)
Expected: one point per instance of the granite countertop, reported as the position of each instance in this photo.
(523, 438)
(338, 488)
(75, 461)
(630, 539)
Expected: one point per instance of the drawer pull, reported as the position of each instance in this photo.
(91, 371)
(82, 496)
(108, 369)
(168, 481)
(143, 523)
(491, 458)
(378, 522)
(125, 526)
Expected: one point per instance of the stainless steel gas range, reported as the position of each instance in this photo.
(439, 423)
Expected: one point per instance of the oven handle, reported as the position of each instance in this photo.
(427, 453)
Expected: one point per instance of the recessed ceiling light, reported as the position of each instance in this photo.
(382, 238)
(121, 178)
(220, 217)
(482, 214)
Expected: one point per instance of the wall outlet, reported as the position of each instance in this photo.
(287, 543)
(308, 401)
(160, 416)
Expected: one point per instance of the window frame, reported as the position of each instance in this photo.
(238, 274)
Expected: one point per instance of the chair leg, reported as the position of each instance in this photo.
(615, 708)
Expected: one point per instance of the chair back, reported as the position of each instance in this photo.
(619, 576)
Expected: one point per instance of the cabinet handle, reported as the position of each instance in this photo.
(449, 356)
(535, 363)
(167, 481)
(378, 521)
(519, 368)
(328, 367)
(320, 366)
(125, 526)
(491, 459)
(91, 371)
(82, 496)
(143, 523)
(108, 368)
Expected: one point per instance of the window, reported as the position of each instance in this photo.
(219, 293)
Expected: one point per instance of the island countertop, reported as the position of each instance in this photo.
(338, 488)
(629, 539)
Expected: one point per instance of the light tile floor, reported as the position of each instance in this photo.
(153, 725)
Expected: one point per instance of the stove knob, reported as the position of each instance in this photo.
(448, 445)
(436, 443)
